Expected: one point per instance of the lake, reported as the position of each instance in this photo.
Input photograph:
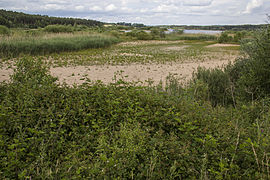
(202, 32)
(169, 31)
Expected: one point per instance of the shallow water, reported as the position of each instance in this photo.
(202, 32)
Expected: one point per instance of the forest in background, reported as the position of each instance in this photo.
(14, 19)
(21, 20)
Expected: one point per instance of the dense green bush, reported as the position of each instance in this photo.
(251, 73)
(81, 28)
(58, 29)
(218, 85)
(4, 30)
(140, 35)
(239, 36)
(225, 38)
(245, 80)
(178, 31)
(157, 33)
(4, 22)
(232, 36)
(121, 131)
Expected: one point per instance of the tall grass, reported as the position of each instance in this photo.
(4, 30)
(13, 47)
(58, 28)
(198, 37)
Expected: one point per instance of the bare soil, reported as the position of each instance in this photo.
(137, 72)
(175, 48)
(135, 43)
(223, 45)
(133, 54)
(132, 72)
(5, 72)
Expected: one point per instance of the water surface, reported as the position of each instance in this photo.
(202, 32)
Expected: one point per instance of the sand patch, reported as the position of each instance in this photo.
(132, 72)
(174, 48)
(5, 72)
(136, 43)
(134, 55)
(223, 45)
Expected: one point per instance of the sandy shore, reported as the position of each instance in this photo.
(131, 73)
(134, 72)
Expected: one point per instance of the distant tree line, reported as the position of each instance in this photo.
(21, 20)
(130, 24)
(225, 27)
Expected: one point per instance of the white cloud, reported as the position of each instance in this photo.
(197, 2)
(80, 8)
(252, 5)
(53, 7)
(95, 8)
(164, 8)
(149, 11)
(110, 7)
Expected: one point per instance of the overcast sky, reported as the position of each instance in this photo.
(150, 12)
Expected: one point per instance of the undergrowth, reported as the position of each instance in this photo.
(121, 131)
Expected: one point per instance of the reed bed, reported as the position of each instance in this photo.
(198, 37)
(46, 44)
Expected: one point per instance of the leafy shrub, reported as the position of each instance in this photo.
(239, 36)
(4, 22)
(58, 29)
(157, 33)
(218, 85)
(236, 37)
(255, 76)
(81, 28)
(178, 31)
(225, 38)
(4, 30)
(140, 35)
(247, 80)
(120, 131)
(251, 73)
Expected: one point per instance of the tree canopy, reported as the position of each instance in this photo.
(21, 20)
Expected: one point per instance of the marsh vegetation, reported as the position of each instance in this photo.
(212, 125)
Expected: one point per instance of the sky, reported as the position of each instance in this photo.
(150, 12)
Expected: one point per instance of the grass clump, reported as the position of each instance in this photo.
(218, 85)
(140, 35)
(58, 29)
(41, 46)
(4, 30)
(198, 37)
